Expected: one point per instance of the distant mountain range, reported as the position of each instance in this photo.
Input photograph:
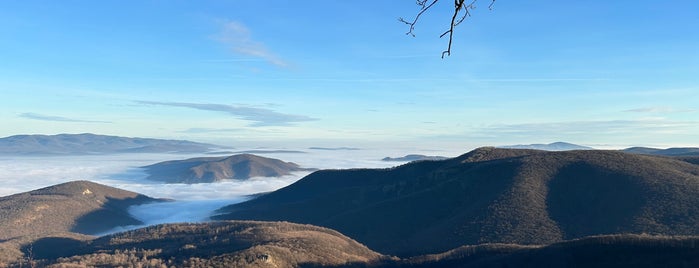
(491, 195)
(212, 169)
(81, 207)
(556, 146)
(413, 157)
(67, 144)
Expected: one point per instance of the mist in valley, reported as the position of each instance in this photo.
(188, 202)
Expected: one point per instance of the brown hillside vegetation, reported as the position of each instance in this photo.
(597, 251)
(215, 244)
(74, 207)
(211, 169)
(282, 244)
(491, 195)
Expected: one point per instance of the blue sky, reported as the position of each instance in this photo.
(606, 74)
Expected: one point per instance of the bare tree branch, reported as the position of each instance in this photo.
(423, 8)
(459, 6)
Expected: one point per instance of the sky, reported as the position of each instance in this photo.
(606, 74)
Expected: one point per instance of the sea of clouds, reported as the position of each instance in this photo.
(192, 202)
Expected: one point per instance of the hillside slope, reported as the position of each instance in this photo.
(678, 151)
(74, 207)
(215, 244)
(211, 169)
(555, 146)
(594, 252)
(491, 195)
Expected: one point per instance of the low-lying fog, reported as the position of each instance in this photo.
(193, 202)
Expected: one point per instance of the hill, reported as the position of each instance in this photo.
(283, 244)
(556, 146)
(81, 207)
(67, 144)
(491, 195)
(598, 252)
(215, 244)
(413, 157)
(688, 151)
(211, 169)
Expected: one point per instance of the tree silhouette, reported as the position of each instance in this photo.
(462, 10)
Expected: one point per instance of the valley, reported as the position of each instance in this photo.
(490, 206)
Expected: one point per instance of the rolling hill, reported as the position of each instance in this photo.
(413, 157)
(215, 244)
(81, 207)
(283, 244)
(491, 195)
(212, 169)
(69, 144)
(50, 242)
(594, 252)
(686, 151)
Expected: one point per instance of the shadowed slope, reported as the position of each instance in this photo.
(677, 151)
(79, 206)
(597, 252)
(491, 195)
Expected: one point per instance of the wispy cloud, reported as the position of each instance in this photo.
(582, 127)
(239, 39)
(209, 130)
(660, 110)
(54, 118)
(259, 116)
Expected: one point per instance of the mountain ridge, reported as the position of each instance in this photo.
(555, 146)
(491, 195)
(673, 151)
(88, 143)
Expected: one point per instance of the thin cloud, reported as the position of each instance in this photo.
(259, 116)
(586, 127)
(42, 117)
(209, 130)
(239, 39)
(659, 110)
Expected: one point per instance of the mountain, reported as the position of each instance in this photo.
(491, 195)
(211, 169)
(413, 157)
(66, 144)
(556, 146)
(688, 151)
(81, 207)
(215, 244)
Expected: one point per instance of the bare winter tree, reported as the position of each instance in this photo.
(462, 10)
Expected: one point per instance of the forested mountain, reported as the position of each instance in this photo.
(491, 195)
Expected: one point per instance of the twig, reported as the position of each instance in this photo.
(458, 7)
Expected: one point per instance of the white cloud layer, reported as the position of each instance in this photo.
(193, 202)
